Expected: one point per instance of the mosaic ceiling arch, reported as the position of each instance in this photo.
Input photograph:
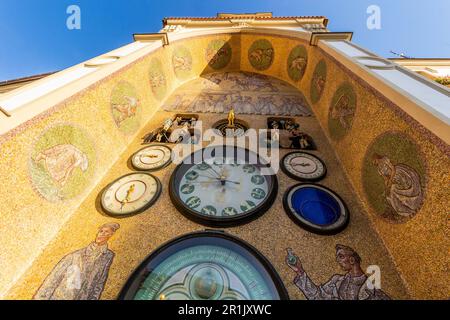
(247, 93)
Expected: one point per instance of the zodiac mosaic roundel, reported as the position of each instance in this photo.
(157, 78)
(394, 176)
(222, 186)
(182, 62)
(208, 265)
(297, 62)
(318, 81)
(62, 162)
(218, 54)
(342, 111)
(316, 208)
(125, 107)
(261, 54)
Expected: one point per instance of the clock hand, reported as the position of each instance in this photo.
(301, 164)
(127, 197)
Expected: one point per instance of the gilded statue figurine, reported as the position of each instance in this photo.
(231, 118)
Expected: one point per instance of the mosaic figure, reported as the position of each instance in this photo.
(394, 177)
(342, 111)
(261, 54)
(125, 107)
(181, 62)
(82, 274)
(62, 163)
(352, 285)
(218, 54)
(157, 79)
(61, 160)
(403, 191)
(297, 63)
(318, 81)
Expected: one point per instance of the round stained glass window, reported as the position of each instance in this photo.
(209, 265)
(316, 208)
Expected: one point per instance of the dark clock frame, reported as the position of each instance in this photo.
(222, 222)
(153, 169)
(132, 285)
(141, 210)
(316, 229)
(293, 176)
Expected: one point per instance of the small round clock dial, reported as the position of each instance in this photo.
(224, 188)
(131, 194)
(316, 208)
(152, 158)
(303, 166)
(207, 265)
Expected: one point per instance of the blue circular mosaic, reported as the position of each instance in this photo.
(316, 208)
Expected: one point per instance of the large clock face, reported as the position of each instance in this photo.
(316, 208)
(152, 158)
(205, 266)
(131, 194)
(303, 166)
(223, 186)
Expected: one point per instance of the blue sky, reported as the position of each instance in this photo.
(35, 39)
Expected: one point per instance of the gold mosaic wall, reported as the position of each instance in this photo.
(39, 194)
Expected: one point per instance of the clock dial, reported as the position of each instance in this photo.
(316, 208)
(131, 194)
(303, 166)
(152, 158)
(224, 188)
(238, 130)
(207, 265)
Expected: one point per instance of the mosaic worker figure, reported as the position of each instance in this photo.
(82, 274)
(353, 285)
(403, 189)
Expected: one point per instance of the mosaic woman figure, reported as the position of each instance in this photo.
(61, 160)
(402, 186)
(353, 285)
(82, 274)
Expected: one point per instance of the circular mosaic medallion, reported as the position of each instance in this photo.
(62, 162)
(182, 62)
(394, 176)
(222, 186)
(303, 166)
(152, 158)
(342, 111)
(297, 62)
(316, 209)
(157, 79)
(239, 129)
(318, 81)
(218, 54)
(261, 54)
(207, 265)
(125, 107)
(131, 194)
